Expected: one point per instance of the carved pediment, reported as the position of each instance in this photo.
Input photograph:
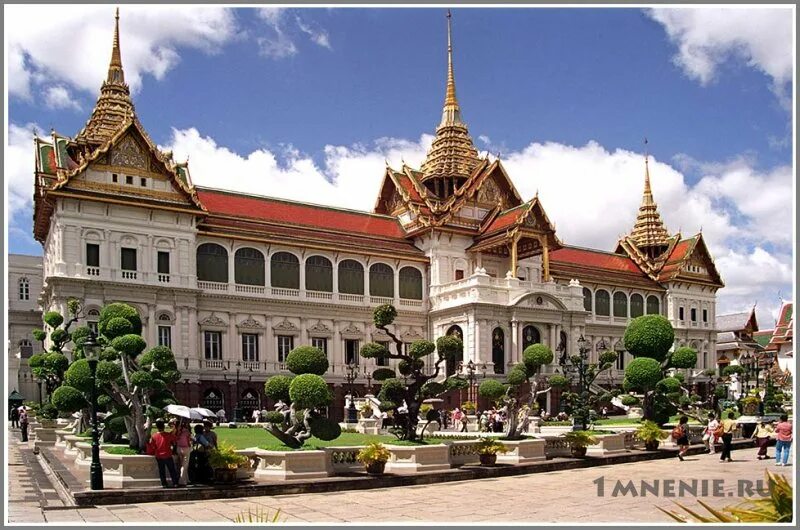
(352, 329)
(286, 325)
(129, 153)
(250, 323)
(319, 327)
(213, 320)
(411, 335)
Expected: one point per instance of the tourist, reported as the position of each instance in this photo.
(221, 416)
(681, 435)
(183, 446)
(14, 417)
(255, 415)
(762, 435)
(783, 433)
(160, 446)
(604, 412)
(264, 415)
(23, 423)
(483, 421)
(464, 421)
(728, 426)
(208, 432)
(199, 470)
(443, 419)
(457, 417)
(710, 435)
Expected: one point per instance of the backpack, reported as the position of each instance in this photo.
(718, 432)
(677, 432)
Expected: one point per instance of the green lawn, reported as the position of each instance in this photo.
(243, 438)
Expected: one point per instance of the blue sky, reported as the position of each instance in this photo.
(328, 89)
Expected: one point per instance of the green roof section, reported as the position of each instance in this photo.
(762, 339)
(15, 396)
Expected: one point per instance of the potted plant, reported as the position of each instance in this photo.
(579, 441)
(469, 407)
(487, 450)
(365, 409)
(374, 457)
(224, 460)
(651, 434)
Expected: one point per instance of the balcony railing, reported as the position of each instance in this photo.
(251, 289)
(319, 295)
(216, 364)
(343, 297)
(380, 300)
(280, 291)
(128, 275)
(163, 278)
(212, 286)
(93, 271)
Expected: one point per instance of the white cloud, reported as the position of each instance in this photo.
(43, 42)
(59, 97)
(279, 40)
(19, 166)
(707, 37)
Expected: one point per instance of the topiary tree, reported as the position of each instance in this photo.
(50, 365)
(522, 386)
(300, 399)
(404, 397)
(582, 402)
(650, 339)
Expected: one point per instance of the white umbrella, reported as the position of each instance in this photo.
(204, 412)
(184, 412)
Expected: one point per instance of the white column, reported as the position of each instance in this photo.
(194, 333)
(231, 270)
(303, 333)
(397, 287)
(303, 275)
(152, 338)
(269, 354)
(514, 354)
(267, 272)
(233, 342)
(337, 356)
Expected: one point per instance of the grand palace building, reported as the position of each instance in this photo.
(233, 281)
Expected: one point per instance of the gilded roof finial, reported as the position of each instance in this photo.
(115, 73)
(649, 231)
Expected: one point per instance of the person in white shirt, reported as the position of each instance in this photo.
(709, 438)
(255, 416)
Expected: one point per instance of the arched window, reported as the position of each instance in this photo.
(620, 304)
(319, 274)
(602, 303)
(92, 317)
(212, 263)
(381, 280)
(587, 299)
(637, 305)
(213, 399)
(498, 350)
(530, 335)
(653, 305)
(351, 277)
(285, 270)
(451, 364)
(24, 289)
(248, 266)
(410, 283)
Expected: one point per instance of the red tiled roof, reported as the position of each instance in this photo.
(505, 219)
(408, 186)
(295, 213)
(595, 259)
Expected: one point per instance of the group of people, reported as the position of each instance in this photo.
(722, 431)
(19, 419)
(490, 420)
(189, 446)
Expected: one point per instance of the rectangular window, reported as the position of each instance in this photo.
(680, 313)
(163, 262)
(620, 360)
(693, 314)
(92, 255)
(250, 347)
(321, 343)
(114, 177)
(285, 345)
(459, 274)
(165, 336)
(128, 259)
(351, 351)
(705, 360)
(383, 361)
(143, 182)
(213, 345)
(705, 315)
(129, 180)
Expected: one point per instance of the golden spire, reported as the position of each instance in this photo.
(649, 232)
(114, 105)
(452, 155)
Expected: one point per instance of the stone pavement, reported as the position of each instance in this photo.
(561, 496)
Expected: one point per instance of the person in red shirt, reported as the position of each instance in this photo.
(160, 446)
(783, 433)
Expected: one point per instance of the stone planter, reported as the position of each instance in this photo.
(578, 452)
(69, 444)
(44, 436)
(409, 459)
(47, 424)
(121, 471)
(248, 471)
(367, 425)
(291, 465)
(462, 452)
(608, 445)
(60, 434)
(472, 423)
(522, 451)
(376, 469)
(651, 445)
(635, 413)
(488, 460)
(342, 460)
(432, 427)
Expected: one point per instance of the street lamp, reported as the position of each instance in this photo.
(236, 410)
(91, 350)
(351, 376)
(368, 375)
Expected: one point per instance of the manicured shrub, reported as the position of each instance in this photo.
(117, 327)
(131, 345)
(669, 385)
(68, 399)
(608, 357)
(39, 335)
(160, 356)
(405, 367)
(79, 376)
(643, 373)
(382, 374)
(421, 348)
(273, 416)
(277, 387)
(456, 383)
(36, 360)
(384, 315)
(324, 428)
(309, 391)
(629, 400)
(56, 362)
(449, 346)
(432, 388)
(116, 425)
(535, 356)
(373, 350)
(492, 389)
(142, 379)
(108, 371)
(307, 360)
(684, 357)
(558, 381)
(119, 310)
(649, 336)
(392, 391)
(518, 375)
(53, 319)
(59, 336)
(80, 335)
(732, 369)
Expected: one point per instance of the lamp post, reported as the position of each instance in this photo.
(39, 384)
(351, 375)
(236, 410)
(90, 351)
(368, 376)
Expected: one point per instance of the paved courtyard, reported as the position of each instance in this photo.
(564, 496)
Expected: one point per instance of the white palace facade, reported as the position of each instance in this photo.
(233, 281)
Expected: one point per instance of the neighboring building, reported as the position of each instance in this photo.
(735, 338)
(779, 341)
(232, 282)
(24, 314)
